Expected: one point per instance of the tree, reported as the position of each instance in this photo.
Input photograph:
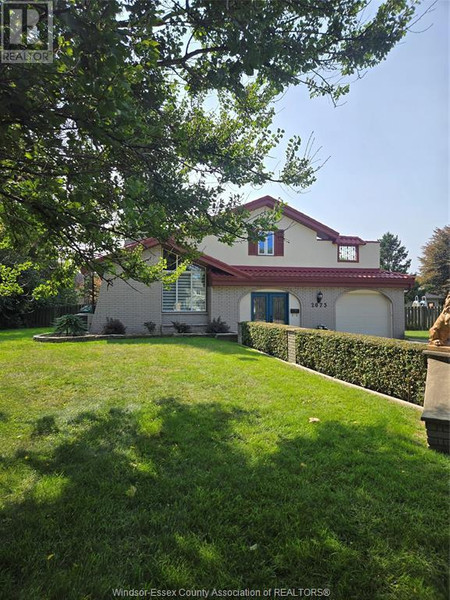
(435, 262)
(393, 256)
(24, 286)
(114, 139)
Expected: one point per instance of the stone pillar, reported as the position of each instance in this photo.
(436, 412)
(291, 346)
(239, 333)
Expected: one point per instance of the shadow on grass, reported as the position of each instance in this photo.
(173, 496)
(45, 426)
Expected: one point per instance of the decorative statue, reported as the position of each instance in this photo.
(440, 332)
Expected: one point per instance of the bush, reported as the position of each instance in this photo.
(392, 367)
(113, 326)
(150, 326)
(181, 327)
(217, 326)
(70, 325)
(266, 337)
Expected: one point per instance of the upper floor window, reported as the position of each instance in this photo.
(348, 253)
(271, 245)
(188, 292)
(266, 246)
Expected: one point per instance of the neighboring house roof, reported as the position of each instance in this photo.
(313, 275)
(323, 231)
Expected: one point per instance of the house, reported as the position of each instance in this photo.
(303, 274)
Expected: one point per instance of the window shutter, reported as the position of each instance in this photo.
(252, 248)
(279, 243)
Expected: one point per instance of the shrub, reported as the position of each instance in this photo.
(150, 326)
(181, 327)
(266, 337)
(217, 326)
(113, 326)
(70, 325)
(392, 367)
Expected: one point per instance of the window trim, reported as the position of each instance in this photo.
(343, 260)
(266, 234)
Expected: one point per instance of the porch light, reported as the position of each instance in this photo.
(319, 297)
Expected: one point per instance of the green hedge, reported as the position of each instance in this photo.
(266, 337)
(392, 367)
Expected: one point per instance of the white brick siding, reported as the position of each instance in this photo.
(224, 302)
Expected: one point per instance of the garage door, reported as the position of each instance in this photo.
(364, 311)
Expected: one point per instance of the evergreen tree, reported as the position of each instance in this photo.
(393, 256)
(435, 262)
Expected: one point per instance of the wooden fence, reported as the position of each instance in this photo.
(45, 317)
(420, 317)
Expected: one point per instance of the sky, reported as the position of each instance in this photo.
(387, 146)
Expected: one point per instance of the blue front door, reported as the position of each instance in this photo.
(270, 306)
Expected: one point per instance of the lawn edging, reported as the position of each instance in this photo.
(394, 368)
(92, 337)
(55, 339)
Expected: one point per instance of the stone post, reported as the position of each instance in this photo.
(291, 346)
(240, 333)
(436, 413)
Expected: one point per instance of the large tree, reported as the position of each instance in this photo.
(393, 256)
(435, 262)
(114, 139)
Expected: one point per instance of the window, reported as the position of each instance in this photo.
(266, 246)
(188, 293)
(348, 253)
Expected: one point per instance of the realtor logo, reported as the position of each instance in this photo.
(26, 32)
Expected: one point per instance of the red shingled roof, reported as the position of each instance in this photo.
(312, 275)
(349, 240)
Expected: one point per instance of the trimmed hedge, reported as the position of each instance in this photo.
(392, 367)
(266, 337)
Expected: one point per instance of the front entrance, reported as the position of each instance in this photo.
(272, 307)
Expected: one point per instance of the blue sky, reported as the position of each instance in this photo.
(388, 144)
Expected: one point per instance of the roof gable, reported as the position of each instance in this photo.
(203, 259)
(323, 231)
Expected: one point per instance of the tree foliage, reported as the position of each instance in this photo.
(114, 139)
(27, 283)
(393, 256)
(435, 262)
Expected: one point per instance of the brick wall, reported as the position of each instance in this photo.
(133, 303)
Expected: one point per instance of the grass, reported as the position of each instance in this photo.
(417, 336)
(192, 463)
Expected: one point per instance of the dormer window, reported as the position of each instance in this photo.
(348, 253)
(266, 246)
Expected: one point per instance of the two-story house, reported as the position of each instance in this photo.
(303, 274)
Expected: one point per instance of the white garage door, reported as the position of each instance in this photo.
(364, 311)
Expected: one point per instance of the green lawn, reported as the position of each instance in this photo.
(417, 336)
(192, 463)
